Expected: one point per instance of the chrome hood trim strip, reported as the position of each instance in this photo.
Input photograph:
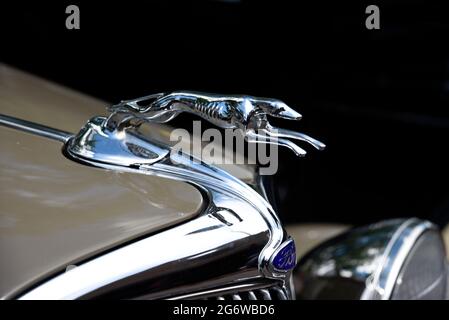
(226, 223)
(237, 216)
(35, 128)
(178, 166)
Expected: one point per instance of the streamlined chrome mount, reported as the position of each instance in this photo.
(400, 259)
(236, 218)
(245, 113)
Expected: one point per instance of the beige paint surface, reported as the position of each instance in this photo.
(309, 235)
(54, 212)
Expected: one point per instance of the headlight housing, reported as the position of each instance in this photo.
(393, 259)
(424, 272)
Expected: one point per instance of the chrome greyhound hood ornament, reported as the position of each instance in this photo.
(120, 140)
(247, 113)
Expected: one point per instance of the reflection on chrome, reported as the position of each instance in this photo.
(365, 263)
(246, 113)
(238, 230)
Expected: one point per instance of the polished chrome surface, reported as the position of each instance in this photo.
(252, 290)
(126, 147)
(380, 284)
(423, 275)
(237, 220)
(218, 235)
(363, 263)
(85, 147)
(268, 293)
(273, 293)
(34, 128)
(55, 212)
(209, 263)
(246, 113)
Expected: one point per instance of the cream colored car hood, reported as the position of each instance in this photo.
(55, 212)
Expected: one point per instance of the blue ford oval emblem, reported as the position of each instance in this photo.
(285, 257)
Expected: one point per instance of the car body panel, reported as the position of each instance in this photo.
(55, 212)
(31, 98)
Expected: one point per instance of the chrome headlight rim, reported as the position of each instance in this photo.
(380, 285)
(377, 262)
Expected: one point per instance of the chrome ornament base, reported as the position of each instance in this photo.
(125, 147)
(236, 215)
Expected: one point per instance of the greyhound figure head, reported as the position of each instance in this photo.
(235, 112)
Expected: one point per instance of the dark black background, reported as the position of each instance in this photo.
(379, 99)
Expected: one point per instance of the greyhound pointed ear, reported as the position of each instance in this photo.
(279, 109)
